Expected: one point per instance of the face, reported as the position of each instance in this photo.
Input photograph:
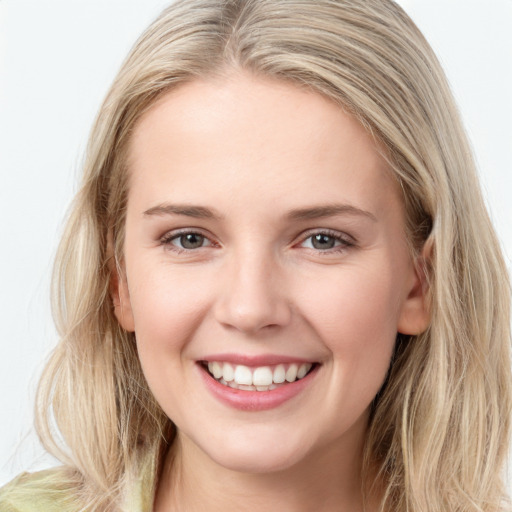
(267, 271)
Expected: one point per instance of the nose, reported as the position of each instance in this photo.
(252, 294)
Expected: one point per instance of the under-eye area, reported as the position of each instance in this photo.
(260, 378)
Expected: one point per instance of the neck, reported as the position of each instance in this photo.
(328, 481)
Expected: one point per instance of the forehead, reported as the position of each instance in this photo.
(256, 137)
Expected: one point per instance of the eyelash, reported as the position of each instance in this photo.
(344, 241)
(168, 238)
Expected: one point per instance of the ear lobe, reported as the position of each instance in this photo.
(415, 313)
(118, 288)
(121, 300)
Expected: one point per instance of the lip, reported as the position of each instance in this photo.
(255, 400)
(255, 360)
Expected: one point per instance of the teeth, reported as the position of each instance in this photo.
(228, 372)
(303, 369)
(216, 369)
(291, 373)
(262, 378)
(243, 375)
(279, 374)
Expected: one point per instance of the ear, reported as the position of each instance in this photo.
(415, 313)
(118, 288)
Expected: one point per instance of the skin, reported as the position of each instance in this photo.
(253, 150)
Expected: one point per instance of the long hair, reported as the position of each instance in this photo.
(439, 427)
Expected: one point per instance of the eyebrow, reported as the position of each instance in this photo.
(329, 210)
(197, 212)
(315, 212)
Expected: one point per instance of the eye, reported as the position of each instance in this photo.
(322, 241)
(327, 241)
(186, 241)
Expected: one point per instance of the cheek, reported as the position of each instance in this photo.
(167, 312)
(355, 314)
(350, 304)
(166, 308)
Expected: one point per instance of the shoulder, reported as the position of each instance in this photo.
(34, 492)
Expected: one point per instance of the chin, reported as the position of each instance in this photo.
(255, 461)
(252, 453)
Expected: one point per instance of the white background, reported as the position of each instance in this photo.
(57, 59)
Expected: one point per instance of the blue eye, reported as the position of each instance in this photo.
(191, 240)
(186, 240)
(325, 241)
(322, 241)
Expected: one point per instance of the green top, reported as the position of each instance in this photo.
(44, 492)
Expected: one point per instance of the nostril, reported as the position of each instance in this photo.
(251, 305)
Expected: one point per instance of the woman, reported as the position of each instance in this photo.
(346, 349)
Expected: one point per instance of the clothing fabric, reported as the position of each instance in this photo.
(44, 492)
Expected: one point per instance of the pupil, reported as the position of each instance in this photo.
(192, 241)
(323, 242)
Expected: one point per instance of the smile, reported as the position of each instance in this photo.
(257, 383)
(261, 378)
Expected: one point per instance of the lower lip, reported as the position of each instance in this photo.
(256, 400)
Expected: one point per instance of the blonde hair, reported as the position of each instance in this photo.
(439, 428)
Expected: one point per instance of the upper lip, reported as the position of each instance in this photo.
(255, 360)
